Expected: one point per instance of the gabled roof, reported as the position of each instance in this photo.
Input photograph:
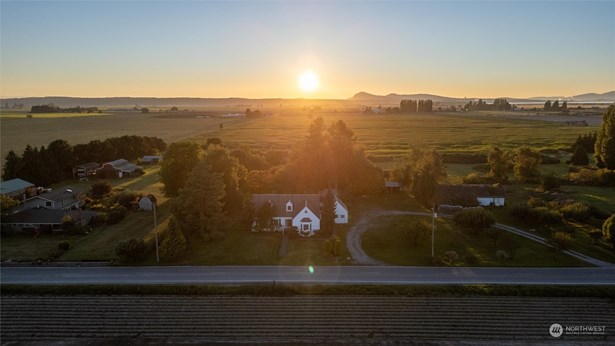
(123, 165)
(68, 193)
(89, 166)
(279, 201)
(10, 186)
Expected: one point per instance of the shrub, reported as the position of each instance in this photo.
(509, 243)
(579, 157)
(100, 189)
(535, 202)
(63, 245)
(549, 182)
(98, 219)
(577, 211)
(451, 256)
(131, 250)
(608, 230)
(174, 244)
(474, 219)
(473, 178)
(116, 215)
(127, 198)
(538, 215)
(592, 177)
(416, 231)
(561, 240)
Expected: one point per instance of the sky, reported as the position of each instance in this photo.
(259, 49)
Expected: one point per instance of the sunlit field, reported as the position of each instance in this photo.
(24, 115)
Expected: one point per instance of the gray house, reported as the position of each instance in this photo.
(64, 199)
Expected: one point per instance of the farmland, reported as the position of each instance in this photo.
(298, 319)
(384, 137)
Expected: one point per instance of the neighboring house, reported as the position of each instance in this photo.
(64, 199)
(147, 202)
(148, 159)
(45, 219)
(392, 186)
(472, 194)
(121, 168)
(17, 188)
(85, 170)
(301, 211)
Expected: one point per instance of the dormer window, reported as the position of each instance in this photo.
(289, 206)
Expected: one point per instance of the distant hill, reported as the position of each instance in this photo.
(361, 98)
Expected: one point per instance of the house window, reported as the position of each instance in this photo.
(48, 204)
(342, 216)
(289, 206)
(306, 227)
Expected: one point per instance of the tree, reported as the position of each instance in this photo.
(499, 163)
(475, 219)
(264, 216)
(62, 154)
(100, 189)
(416, 231)
(132, 250)
(579, 157)
(6, 204)
(219, 160)
(555, 106)
(604, 149)
(144, 110)
(179, 161)
(173, 245)
(547, 106)
(12, 165)
(421, 170)
(608, 230)
(198, 207)
(526, 166)
(327, 214)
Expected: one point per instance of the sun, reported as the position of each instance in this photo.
(308, 81)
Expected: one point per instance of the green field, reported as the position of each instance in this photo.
(384, 241)
(23, 115)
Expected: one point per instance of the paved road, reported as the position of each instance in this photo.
(353, 238)
(299, 274)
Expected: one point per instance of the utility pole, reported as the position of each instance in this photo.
(433, 230)
(156, 232)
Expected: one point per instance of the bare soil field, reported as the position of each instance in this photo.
(299, 319)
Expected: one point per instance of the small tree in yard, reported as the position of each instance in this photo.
(132, 250)
(174, 244)
(100, 189)
(416, 231)
(509, 243)
(474, 219)
(527, 162)
(579, 157)
(608, 230)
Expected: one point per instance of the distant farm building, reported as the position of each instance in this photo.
(16, 188)
(392, 186)
(119, 169)
(149, 159)
(85, 170)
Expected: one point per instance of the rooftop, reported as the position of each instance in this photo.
(10, 186)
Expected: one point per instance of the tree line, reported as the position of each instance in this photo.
(52, 163)
(499, 104)
(416, 106)
(555, 106)
(51, 108)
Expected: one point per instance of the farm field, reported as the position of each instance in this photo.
(297, 319)
(22, 115)
(384, 137)
(385, 241)
(17, 133)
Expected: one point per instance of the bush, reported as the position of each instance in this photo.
(533, 216)
(174, 244)
(116, 215)
(63, 246)
(98, 219)
(132, 250)
(416, 231)
(100, 189)
(501, 255)
(608, 230)
(561, 240)
(127, 198)
(577, 211)
(549, 182)
(474, 219)
(592, 177)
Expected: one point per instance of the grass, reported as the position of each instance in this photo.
(384, 241)
(277, 290)
(22, 115)
(22, 248)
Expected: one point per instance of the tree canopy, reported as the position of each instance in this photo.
(604, 149)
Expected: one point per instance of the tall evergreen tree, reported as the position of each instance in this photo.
(604, 149)
(579, 157)
(327, 214)
(11, 167)
(547, 106)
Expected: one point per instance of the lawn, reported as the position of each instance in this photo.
(384, 241)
